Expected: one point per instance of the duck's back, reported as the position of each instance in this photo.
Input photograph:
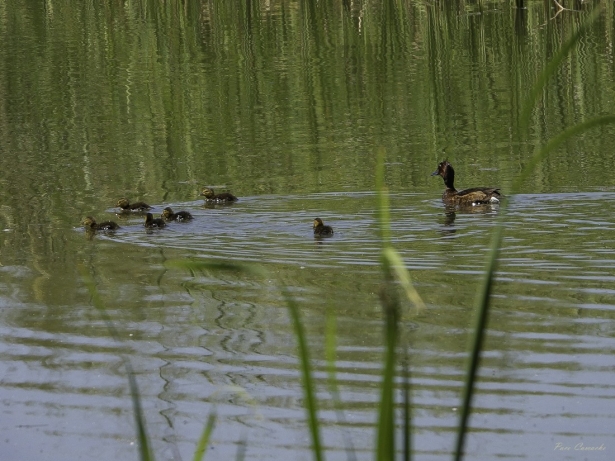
(474, 196)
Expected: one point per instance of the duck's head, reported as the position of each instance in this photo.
(123, 203)
(208, 192)
(167, 212)
(149, 217)
(318, 222)
(445, 170)
(88, 221)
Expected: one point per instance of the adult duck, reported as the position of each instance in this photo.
(467, 197)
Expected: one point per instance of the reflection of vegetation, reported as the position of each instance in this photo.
(129, 99)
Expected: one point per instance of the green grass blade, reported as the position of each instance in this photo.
(241, 447)
(308, 386)
(554, 143)
(203, 442)
(144, 446)
(385, 449)
(407, 415)
(386, 420)
(145, 452)
(485, 291)
(550, 69)
(396, 264)
(480, 323)
(330, 350)
(384, 217)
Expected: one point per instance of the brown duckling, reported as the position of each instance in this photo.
(320, 229)
(90, 224)
(150, 221)
(467, 197)
(211, 196)
(125, 205)
(168, 215)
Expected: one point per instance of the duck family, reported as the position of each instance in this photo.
(450, 197)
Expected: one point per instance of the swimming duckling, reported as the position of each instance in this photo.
(320, 229)
(467, 197)
(150, 221)
(211, 196)
(168, 215)
(125, 205)
(90, 224)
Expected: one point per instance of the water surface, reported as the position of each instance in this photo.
(286, 105)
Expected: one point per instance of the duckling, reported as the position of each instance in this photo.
(150, 221)
(90, 224)
(467, 197)
(125, 205)
(168, 215)
(320, 229)
(211, 196)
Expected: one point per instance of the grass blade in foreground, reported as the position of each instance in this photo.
(308, 386)
(484, 293)
(199, 453)
(330, 348)
(145, 452)
(392, 265)
(390, 303)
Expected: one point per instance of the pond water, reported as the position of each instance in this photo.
(286, 105)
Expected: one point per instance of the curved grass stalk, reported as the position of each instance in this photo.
(484, 293)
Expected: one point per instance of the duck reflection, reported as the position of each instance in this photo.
(448, 225)
(451, 212)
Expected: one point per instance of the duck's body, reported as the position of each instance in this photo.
(211, 196)
(150, 221)
(168, 215)
(320, 229)
(467, 197)
(125, 205)
(90, 224)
